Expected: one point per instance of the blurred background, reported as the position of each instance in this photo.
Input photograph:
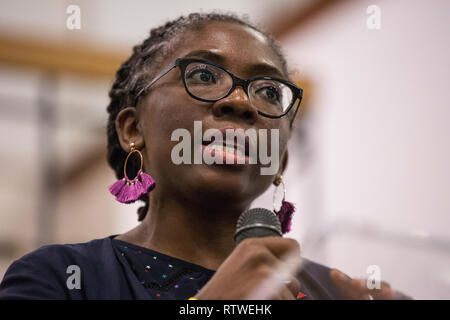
(369, 161)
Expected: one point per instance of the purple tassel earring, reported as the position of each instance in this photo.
(128, 191)
(287, 209)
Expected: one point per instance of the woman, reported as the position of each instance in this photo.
(184, 246)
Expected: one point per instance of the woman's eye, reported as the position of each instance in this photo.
(202, 76)
(270, 93)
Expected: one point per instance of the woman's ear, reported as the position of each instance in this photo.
(284, 162)
(128, 130)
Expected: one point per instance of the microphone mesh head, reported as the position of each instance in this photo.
(256, 223)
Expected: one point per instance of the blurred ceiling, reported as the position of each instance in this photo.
(118, 25)
(71, 71)
(40, 39)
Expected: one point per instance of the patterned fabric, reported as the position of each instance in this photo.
(163, 276)
(111, 269)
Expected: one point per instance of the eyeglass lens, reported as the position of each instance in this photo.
(208, 82)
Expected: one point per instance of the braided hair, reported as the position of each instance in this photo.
(135, 72)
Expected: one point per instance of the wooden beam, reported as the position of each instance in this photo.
(54, 57)
(289, 22)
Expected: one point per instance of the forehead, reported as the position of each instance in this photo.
(241, 47)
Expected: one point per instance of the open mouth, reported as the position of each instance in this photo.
(236, 148)
(229, 151)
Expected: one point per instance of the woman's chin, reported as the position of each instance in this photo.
(234, 186)
(222, 182)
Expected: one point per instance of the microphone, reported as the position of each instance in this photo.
(260, 222)
(257, 223)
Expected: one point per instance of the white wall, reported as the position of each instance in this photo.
(118, 24)
(379, 137)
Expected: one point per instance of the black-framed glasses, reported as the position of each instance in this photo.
(209, 82)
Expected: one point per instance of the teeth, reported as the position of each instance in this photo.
(227, 149)
(240, 153)
(216, 146)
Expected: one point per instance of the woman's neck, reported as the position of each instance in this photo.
(195, 233)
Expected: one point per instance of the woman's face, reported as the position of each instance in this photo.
(168, 107)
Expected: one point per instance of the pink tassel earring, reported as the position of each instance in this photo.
(128, 191)
(287, 208)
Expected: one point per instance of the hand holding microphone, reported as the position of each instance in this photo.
(262, 266)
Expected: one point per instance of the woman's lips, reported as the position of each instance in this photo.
(228, 154)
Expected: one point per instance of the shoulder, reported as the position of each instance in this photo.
(43, 273)
(57, 254)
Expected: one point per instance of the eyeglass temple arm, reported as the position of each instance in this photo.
(159, 76)
(296, 110)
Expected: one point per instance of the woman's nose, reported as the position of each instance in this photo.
(236, 105)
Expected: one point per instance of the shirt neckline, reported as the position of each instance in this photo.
(178, 261)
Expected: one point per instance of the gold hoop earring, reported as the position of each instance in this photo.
(128, 191)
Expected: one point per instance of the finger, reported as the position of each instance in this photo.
(279, 246)
(367, 293)
(397, 295)
(287, 294)
(275, 280)
(338, 276)
(283, 293)
(358, 287)
(348, 287)
(293, 286)
(383, 293)
(387, 293)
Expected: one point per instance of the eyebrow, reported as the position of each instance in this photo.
(258, 68)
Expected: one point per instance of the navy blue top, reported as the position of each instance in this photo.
(115, 269)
